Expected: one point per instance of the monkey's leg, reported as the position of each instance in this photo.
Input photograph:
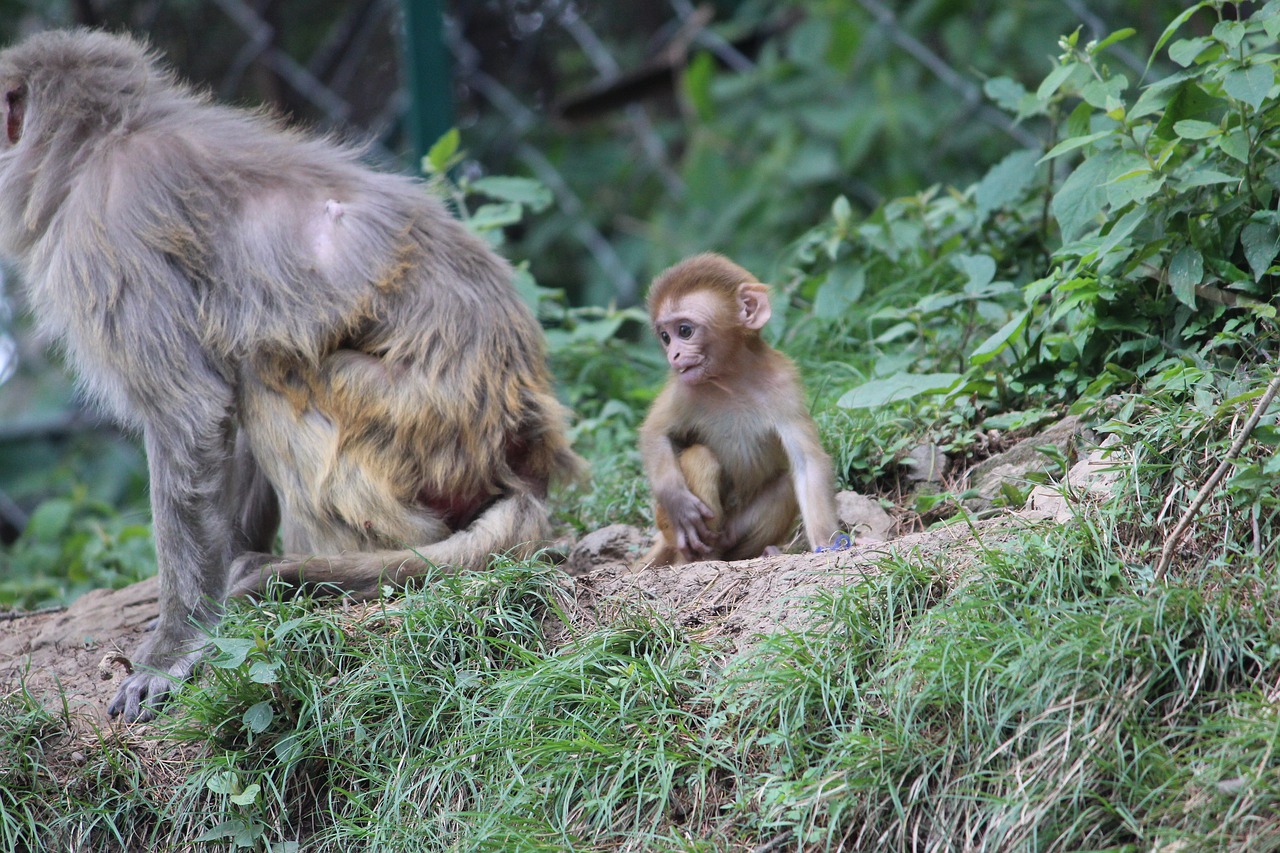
(251, 501)
(767, 520)
(701, 471)
(194, 535)
(518, 525)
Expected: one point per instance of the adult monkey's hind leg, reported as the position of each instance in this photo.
(516, 525)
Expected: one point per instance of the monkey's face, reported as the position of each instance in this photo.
(689, 328)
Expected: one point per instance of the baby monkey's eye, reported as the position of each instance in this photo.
(685, 331)
(666, 339)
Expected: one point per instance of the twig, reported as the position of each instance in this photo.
(1166, 553)
(14, 615)
(949, 77)
(521, 118)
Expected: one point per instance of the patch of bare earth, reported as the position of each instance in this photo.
(75, 658)
(78, 655)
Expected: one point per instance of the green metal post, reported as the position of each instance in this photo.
(428, 72)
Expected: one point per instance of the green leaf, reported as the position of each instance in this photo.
(1117, 36)
(842, 288)
(1206, 177)
(1261, 243)
(1054, 80)
(232, 651)
(247, 796)
(1186, 269)
(223, 782)
(226, 829)
(258, 717)
(1251, 85)
(1186, 51)
(261, 672)
(1230, 33)
(1192, 129)
(696, 83)
(1005, 182)
(1236, 145)
(1005, 92)
(1080, 121)
(492, 216)
(50, 521)
(1173, 27)
(1082, 197)
(1072, 144)
(904, 386)
(1131, 180)
(1190, 102)
(981, 270)
(1000, 341)
(842, 212)
(1122, 229)
(525, 191)
(437, 159)
(1097, 93)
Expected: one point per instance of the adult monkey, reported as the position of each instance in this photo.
(295, 335)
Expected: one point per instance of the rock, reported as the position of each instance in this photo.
(926, 463)
(864, 519)
(1014, 466)
(617, 543)
(1092, 476)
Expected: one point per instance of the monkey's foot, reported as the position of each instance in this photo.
(144, 691)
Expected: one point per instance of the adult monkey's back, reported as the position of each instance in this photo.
(295, 335)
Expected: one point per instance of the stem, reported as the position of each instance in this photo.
(1166, 553)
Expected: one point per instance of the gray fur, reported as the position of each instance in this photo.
(296, 335)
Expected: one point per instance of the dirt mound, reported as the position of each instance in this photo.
(81, 653)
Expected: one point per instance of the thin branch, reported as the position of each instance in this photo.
(521, 118)
(1099, 30)
(289, 69)
(1171, 543)
(695, 20)
(949, 77)
(607, 67)
(12, 519)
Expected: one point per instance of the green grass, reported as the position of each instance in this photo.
(1046, 697)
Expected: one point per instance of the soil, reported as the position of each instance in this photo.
(77, 656)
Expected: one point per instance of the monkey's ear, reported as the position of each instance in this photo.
(15, 109)
(753, 305)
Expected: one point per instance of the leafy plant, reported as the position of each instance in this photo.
(1168, 226)
(73, 544)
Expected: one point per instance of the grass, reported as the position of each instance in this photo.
(1036, 691)
(1048, 699)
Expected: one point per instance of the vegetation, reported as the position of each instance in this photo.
(1038, 688)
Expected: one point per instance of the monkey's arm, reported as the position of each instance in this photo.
(812, 476)
(688, 514)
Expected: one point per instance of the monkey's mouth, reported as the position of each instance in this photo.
(691, 373)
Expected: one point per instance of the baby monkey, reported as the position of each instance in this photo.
(729, 447)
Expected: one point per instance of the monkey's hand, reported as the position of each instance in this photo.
(145, 690)
(689, 517)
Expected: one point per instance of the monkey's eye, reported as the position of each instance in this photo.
(666, 338)
(685, 331)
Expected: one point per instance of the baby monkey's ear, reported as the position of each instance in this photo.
(753, 305)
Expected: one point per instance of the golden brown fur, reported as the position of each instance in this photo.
(730, 450)
(299, 338)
